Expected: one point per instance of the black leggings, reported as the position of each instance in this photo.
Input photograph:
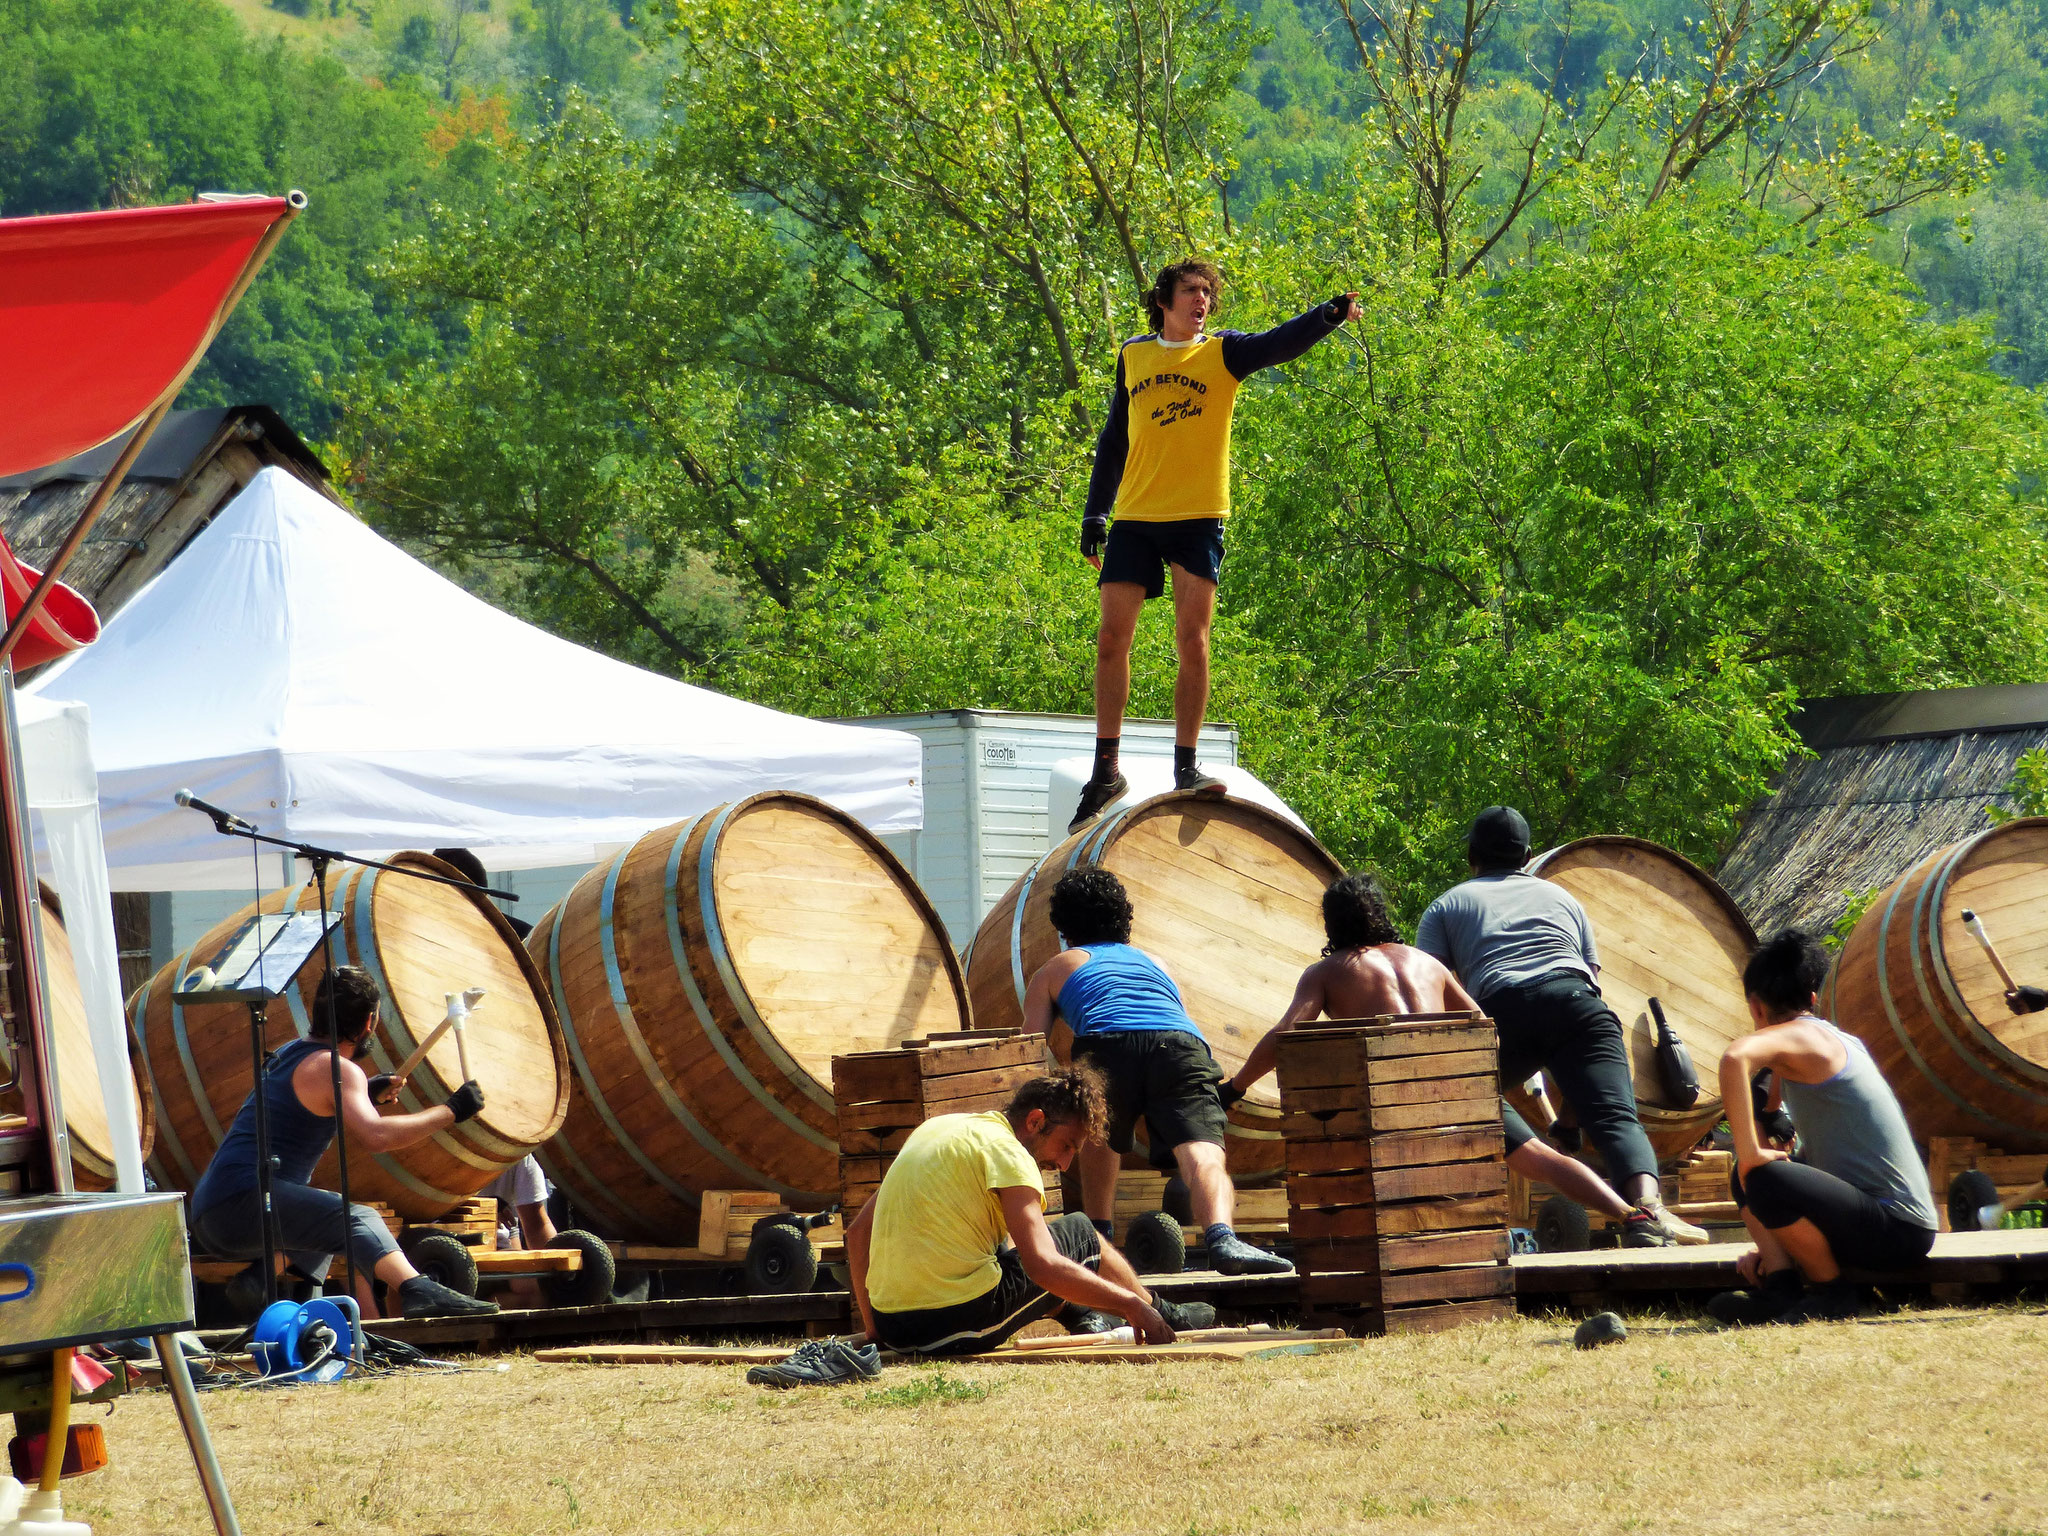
(1861, 1233)
(1561, 1024)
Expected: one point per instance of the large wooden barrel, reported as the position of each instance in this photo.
(705, 978)
(1225, 894)
(420, 941)
(78, 1068)
(1923, 995)
(1665, 929)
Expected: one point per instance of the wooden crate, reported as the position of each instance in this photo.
(1396, 1172)
(1948, 1156)
(1261, 1210)
(474, 1222)
(885, 1095)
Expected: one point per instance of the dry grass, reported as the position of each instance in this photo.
(1925, 1421)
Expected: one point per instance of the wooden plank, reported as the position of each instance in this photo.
(1441, 1316)
(999, 1081)
(1014, 1051)
(1308, 1062)
(1316, 1224)
(1442, 1179)
(1408, 1149)
(887, 1116)
(1481, 1246)
(1334, 1189)
(529, 1261)
(1434, 1040)
(1320, 1100)
(712, 1210)
(1416, 1117)
(869, 1078)
(984, 1102)
(1349, 1287)
(1401, 1069)
(1447, 1284)
(857, 1140)
(1431, 1090)
(1326, 1125)
(864, 1170)
(1328, 1156)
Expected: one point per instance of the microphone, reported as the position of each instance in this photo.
(223, 821)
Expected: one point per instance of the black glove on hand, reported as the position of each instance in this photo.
(2027, 999)
(1094, 534)
(380, 1088)
(1776, 1125)
(1229, 1093)
(466, 1101)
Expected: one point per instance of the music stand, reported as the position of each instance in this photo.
(257, 971)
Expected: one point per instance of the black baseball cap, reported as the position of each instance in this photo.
(1499, 838)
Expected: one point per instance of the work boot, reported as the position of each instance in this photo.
(1183, 1315)
(1232, 1255)
(820, 1363)
(1193, 778)
(1097, 795)
(1834, 1302)
(1640, 1230)
(1673, 1227)
(421, 1297)
(1781, 1288)
(1088, 1320)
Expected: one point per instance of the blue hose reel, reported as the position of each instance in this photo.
(305, 1341)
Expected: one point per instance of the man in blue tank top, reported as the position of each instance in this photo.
(298, 1099)
(1855, 1193)
(1129, 1024)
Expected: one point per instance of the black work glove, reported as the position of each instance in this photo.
(380, 1088)
(2027, 999)
(1094, 534)
(1777, 1126)
(466, 1101)
(1229, 1093)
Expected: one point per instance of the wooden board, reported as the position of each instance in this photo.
(1200, 1344)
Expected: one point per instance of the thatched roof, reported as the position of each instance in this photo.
(1895, 776)
(192, 466)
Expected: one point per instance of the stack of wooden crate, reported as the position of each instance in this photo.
(474, 1223)
(885, 1095)
(1396, 1179)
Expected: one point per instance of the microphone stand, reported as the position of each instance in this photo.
(321, 859)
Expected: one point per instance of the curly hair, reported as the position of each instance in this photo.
(1089, 907)
(1785, 971)
(356, 997)
(1355, 915)
(1159, 297)
(1071, 1094)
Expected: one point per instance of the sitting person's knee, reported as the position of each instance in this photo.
(1770, 1191)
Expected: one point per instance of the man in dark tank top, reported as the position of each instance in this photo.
(298, 1099)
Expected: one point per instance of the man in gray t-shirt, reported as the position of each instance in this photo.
(1524, 948)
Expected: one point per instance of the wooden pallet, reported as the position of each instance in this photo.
(1948, 1156)
(474, 1223)
(1261, 1211)
(1396, 1178)
(885, 1095)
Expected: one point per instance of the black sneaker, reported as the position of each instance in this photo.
(1097, 795)
(1183, 1315)
(1834, 1302)
(820, 1363)
(1640, 1230)
(422, 1297)
(1088, 1320)
(1199, 782)
(245, 1292)
(1781, 1289)
(1235, 1256)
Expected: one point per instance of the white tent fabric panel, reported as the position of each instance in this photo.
(56, 750)
(302, 672)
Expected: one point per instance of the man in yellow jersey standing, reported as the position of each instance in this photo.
(1163, 463)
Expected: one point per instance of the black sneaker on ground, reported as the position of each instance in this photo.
(1834, 1302)
(1639, 1230)
(1198, 781)
(421, 1297)
(1088, 1320)
(1096, 797)
(1235, 1256)
(1761, 1304)
(1182, 1315)
(820, 1363)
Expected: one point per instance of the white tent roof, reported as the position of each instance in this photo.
(295, 668)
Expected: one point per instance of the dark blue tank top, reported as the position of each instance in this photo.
(1121, 988)
(298, 1137)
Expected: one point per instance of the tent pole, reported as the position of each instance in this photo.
(294, 202)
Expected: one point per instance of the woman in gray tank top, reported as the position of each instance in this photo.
(1857, 1194)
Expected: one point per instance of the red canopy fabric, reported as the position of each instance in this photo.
(64, 622)
(101, 312)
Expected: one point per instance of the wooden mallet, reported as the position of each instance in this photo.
(459, 1004)
(1975, 925)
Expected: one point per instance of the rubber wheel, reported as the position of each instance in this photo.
(447, 1259)
(1155, 1244)
(1563, 1226)
(1971, 1190)
(590, 1286)
(780, 1258)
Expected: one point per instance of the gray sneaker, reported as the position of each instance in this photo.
(820, 1363)
(1676, 1228)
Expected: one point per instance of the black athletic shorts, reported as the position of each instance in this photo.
(1519, 1134)
(1166, 1075)
(1140, 552)
(989, 1319)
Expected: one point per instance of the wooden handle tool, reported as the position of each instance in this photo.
(1975, 925)
(420, 1051)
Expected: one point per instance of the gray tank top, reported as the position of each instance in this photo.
(1851, 1126)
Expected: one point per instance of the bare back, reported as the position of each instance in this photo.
(1386, 978)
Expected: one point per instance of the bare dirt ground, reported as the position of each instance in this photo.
(1922, 1421)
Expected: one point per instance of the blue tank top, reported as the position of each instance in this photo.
(1121, 988)
(298, 1137)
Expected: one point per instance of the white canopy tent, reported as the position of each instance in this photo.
(298, 670)
(56, 750)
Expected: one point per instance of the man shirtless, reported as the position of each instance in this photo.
(1367, 971)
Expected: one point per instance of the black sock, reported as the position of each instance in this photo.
(1105, 757)
(1183, 758)
(1108, 1232)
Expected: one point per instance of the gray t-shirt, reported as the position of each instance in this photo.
(1851, 1126)
(1505, 930)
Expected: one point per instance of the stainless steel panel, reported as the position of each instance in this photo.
(79, 1268)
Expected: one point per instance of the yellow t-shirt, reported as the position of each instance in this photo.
(938, 1219)
(1180, 401)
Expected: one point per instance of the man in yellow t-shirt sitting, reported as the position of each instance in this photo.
(953, 1254)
